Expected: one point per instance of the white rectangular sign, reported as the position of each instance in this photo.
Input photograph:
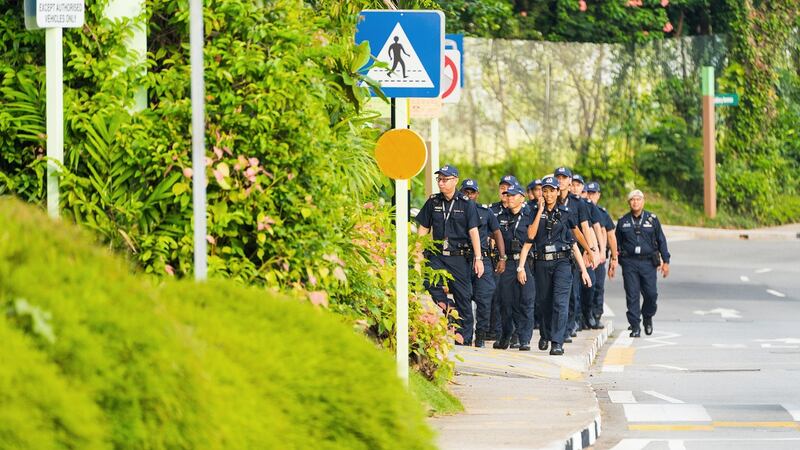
(59, 13)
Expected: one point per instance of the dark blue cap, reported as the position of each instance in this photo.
(509, 179)
(514, 190)
(469, 183)
(534, 183)
(550, 181)
(448, 171)
(578, 178)
(562, 171)
(593, 186)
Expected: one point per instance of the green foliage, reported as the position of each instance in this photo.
(670, 140)
(140, 365)
(434, 397)
(289, 149)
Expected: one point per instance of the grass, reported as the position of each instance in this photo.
(434, 398)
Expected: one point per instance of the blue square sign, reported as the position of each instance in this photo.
(411, 44)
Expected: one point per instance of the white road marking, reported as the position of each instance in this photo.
(781, 340)
(744, 279)
(621, 397)
(664, 366)
(632, 444)
(607, 311)
(794, 410)
(675, 444)
(613, 368)
(639, 444)
(660, 340)
(776, 293)
(666, 398)
(723, 312)
(729, 345)
(765, 270)
(638, 412)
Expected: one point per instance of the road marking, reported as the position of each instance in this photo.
(640, 444)
(707, 427)
(779, 343)
(794, 410)
(619, 355)
(675, 444)
(666, 413)
(729, 345)
(607, 311)
(666, 398)
(621, 397)
(776, 293)
(744, 279)
(723, 312)
(663, 427)
(664, 366)
(613, 368)
(756, 425)
(659, 340)
(765, 270)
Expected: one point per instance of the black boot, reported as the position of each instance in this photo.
(556, 349)
(501, 344)
(648, 326)
(515, 341)
(479, 339)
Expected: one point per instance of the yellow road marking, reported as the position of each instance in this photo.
(756, 424)
(569, 374)
(619, 356)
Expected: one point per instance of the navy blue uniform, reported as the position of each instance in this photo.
(587, 292)
(517, 299)
(553, 272)
(578, 213)
(600, 270)
(640, 240)
(496, 322)
(450, 222)
(483, 288)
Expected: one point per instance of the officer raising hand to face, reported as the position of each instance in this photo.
(453, 219)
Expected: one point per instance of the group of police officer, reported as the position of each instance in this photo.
(538, 259)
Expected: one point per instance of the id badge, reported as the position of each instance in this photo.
(446, 245)
(638, 250)
(549, 248)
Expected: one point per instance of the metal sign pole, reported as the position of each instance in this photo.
(198, 139)
(401, 256)
(54, 78)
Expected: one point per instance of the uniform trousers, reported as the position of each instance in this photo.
(483, 289)
(599, 290)
(639, 279)
(461, 288)
(553, 286)
(517, 303)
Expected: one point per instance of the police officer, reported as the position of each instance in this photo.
(453, 219)
(586, 317)
(483, 287)
(554, 246)
(579, 221)
(608, 249)
(496, 322)
(516, 283)
(643, 252)
(534, 192)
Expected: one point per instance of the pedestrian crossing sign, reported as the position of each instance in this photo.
(410, 43)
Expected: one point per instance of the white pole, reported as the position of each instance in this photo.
(54, 78)
(196, 41)
(401, 257)
(434, 154)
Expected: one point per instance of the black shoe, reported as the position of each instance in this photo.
(556, 349)
(591, 323)
(515, 341)
(479, 342)
(598, 326)
(465, 344)
(648, 326)
(568, 340)
(543, 344)
(636, 333)
(574, 333)
(629, 328)
(524, 348)
(501, 344)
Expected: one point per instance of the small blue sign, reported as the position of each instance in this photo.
(459, 40)
(411, 44)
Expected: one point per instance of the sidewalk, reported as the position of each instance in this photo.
(789, 232)
(529, 400)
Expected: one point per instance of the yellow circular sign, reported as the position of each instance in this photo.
(401, 153)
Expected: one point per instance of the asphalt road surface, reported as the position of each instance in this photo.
(722, 369)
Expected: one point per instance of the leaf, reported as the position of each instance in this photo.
(361, 57)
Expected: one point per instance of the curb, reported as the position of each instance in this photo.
(586, 436)
(679, 232)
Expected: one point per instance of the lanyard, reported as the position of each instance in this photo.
(447, 215)
(637, 228)
(516, 225)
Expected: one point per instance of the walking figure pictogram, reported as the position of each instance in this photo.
(396, 52)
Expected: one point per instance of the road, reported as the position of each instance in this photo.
(722, 369)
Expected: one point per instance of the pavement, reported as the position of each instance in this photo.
(789, 232)
(530, 400)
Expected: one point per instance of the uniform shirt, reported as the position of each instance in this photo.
(449, 220)
(559, 233)
(514, 228)
(488, 224)
(644, 232)
(577, 210)
(593, 211)
(496, 208)
(605, 221)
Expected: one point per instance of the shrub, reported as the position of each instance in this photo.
(181, 365)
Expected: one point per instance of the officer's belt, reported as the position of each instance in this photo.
(514, 256)
(454, 252)
(553, 256)
(648, 256)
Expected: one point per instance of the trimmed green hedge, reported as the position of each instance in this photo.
(94, 357)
